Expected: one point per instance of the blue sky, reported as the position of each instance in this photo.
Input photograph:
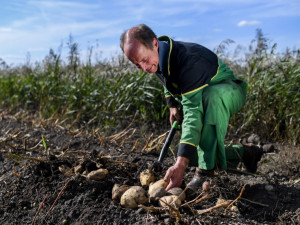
(35, 26)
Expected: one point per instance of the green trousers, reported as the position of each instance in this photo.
(220, 102)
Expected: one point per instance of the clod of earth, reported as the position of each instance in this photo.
(99, 174)
(147, 177)
(134, 196)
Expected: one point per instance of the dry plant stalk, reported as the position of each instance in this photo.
(134, 146)
(58, 196)
(240, 195)
(147, 143)
(11, 158)
(122, 135)
(15, 172)
(39, 209)
(253, 202)
(181, 194)
(125, 139)
(159, 141)
(117, 135)
(102, 141)
(227, 203)
(151, 208)
(122, 162)
(197, 200)
(162, 136)
(190, 209)
(172, 210)
(212, 208)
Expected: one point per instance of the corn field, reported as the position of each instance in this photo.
(106, 94)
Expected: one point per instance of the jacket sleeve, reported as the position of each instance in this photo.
(192, 123)
(171, 101)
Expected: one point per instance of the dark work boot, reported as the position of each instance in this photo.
(199, 177)
(252, 155)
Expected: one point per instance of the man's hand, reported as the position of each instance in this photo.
(174, 115)
(175, 173)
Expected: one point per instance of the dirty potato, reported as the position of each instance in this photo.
(159, 183)
(157, 193)
(177, 191)
(99, 174)
(169, 200)
(134, 196)
(118, 190)
(206, 186)
(147, 177)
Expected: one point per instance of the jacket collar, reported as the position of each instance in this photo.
(164, 60)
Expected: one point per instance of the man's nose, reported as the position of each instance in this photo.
(143, 67)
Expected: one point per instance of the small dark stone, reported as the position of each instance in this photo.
(268, 148)
(253, 138)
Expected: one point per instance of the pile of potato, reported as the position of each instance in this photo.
(132, 196)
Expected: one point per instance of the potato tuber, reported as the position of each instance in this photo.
(147, 177)
(97, 174)
(134, 196)
(118, 191)
(159, 183)
(169, 200)
(177, 191)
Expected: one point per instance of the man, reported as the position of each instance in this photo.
(195, 79)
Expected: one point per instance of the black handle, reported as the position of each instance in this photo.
(168, 141)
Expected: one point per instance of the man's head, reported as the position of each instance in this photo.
(140, 46)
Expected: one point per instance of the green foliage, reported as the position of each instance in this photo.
(273, 102)
(102, 93)
(110, 93)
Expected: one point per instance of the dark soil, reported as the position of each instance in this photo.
(38, 183)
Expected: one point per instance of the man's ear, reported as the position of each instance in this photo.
(155, 43)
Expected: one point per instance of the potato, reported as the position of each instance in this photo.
(159, 183)
(99, 174)
(206, 186)
(147, 177)
(234, 209)
(118, 190)
(169, 200)
(177, 191)
(134, 196)
(157, 193)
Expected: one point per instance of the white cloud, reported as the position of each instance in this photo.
(248, 23)
(5, 29)
(217, 30)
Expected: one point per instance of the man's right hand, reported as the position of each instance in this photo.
(174, 115)
(175, 173)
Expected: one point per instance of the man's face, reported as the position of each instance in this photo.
(144, 58)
